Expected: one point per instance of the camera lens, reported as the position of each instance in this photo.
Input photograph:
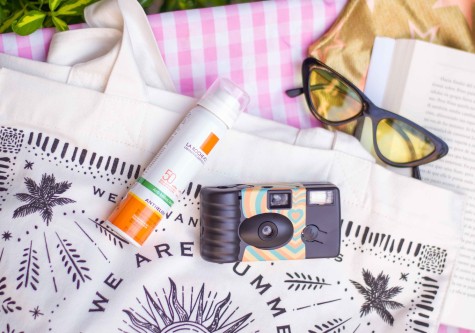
(267, 230)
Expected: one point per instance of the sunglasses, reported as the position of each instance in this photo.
(335, 101)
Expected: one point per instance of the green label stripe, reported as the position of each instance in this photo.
(155, 190)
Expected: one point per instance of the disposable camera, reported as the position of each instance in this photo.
(270, 222)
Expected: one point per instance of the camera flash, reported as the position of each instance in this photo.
(320, 197)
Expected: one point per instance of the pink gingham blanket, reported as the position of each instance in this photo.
(259, 45)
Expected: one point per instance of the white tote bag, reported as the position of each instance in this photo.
(76, 133)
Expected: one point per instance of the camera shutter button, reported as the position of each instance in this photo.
(310, 233)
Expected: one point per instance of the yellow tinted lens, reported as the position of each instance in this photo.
(333, 100)
(402, 143)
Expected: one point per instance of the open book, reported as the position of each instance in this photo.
(435, 87)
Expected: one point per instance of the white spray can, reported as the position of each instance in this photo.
(179, 160)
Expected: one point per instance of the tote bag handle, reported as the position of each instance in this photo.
(117, 54)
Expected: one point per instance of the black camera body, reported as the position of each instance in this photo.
(270, 222)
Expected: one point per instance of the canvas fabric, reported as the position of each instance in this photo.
(83, 126)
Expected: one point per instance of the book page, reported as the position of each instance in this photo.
(450, 112)
(439, 94)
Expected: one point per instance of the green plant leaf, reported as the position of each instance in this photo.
(145, 3)
(48, 22)
(29, 22)
(53, 4)
(73, 7)
(7, 24)
(60, 24)
(212, 3)
(4, 14)
(187, 4)
(172, 5)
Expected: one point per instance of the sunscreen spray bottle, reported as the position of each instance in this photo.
(179, 160)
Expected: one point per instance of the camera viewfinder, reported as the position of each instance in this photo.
(279, 199)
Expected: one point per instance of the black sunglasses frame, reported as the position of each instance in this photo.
(375, 113)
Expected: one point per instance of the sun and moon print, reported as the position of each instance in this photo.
(58, 256)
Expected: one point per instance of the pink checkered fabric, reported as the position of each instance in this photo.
(258, 45)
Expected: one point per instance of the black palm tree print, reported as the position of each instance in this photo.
(378, 296)
(42, 198)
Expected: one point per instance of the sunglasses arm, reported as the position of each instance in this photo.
(294, 92)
